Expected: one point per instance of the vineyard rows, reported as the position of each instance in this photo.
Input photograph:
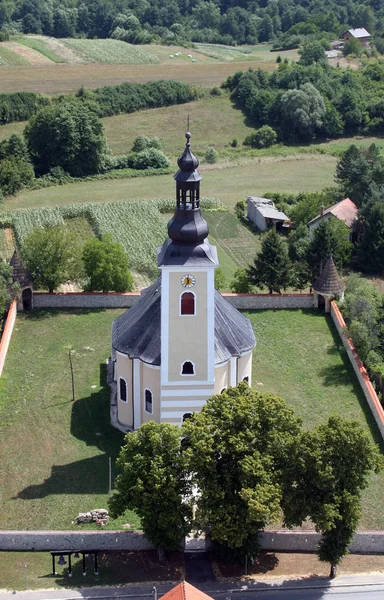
(140, 226)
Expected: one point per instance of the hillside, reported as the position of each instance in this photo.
(183, 21)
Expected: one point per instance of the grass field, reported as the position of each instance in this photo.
(39, 44)
(58, 463)
(64, 79)
(8, 58)
(299, 357)
(110, 52)
(214, 121)
(226, 182)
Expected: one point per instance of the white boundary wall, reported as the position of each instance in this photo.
(126, 300)
(364, 542)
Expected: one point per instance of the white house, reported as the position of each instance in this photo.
(182, 341)
(264, 214)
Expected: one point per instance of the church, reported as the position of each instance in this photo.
(182, 342)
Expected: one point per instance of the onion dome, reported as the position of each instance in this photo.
(188, 164)
(187, 226)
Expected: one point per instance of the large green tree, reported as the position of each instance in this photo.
(106, 266)
(67, 135)
(272, 267)
(302, 112)
(155, 484)
(52, 257)
(239, 447)
(329, 238)
(326, 480)
(371, 248)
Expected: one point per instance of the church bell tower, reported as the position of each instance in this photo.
(187, 261)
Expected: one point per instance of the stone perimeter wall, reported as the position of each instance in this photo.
(126, 300)
(364, 542)
(360, 370)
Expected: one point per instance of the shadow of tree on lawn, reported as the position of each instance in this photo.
(90, 423)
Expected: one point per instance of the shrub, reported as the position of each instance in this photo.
(4, 35)
(211, 156)
(234, 143)
(151, 158)
(240, 284)
(14, 174)
(215, 91)
(142, 142)
(262, 138)
(219, 279)
(241, 209)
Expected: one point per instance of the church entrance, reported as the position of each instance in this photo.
(26, 298)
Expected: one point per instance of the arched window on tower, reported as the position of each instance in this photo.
(148, 401)
(187, 368)
(187, 303)
(123, 389)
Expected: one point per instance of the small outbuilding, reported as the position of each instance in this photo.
(327, 286)
(264, 214)
(21, 275)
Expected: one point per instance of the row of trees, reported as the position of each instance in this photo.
(222, 21)
(104, 102)
(296, 261)
(53, 256)
(253, 465)
(302, 102)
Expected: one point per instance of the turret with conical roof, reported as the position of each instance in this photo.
(328, 285)
(187, 230)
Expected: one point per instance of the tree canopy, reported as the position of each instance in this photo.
(177, 21)
(154, 483)
(67, 135)
(106, 266)
(272, 267)
(239, 447)
(52, 257)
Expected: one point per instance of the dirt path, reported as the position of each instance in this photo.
(32, 56)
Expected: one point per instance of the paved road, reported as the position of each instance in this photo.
(343, 588)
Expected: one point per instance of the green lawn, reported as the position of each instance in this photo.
(54, 451)
(299, 357)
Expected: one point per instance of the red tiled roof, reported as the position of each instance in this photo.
(345, 210)
(185, 591)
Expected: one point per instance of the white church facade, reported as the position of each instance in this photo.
(182, 342)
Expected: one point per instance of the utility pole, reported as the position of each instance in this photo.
(73, 380)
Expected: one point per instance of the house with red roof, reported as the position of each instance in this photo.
(345, 210)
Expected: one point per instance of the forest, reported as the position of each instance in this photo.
(185, 21)
(303, 102)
